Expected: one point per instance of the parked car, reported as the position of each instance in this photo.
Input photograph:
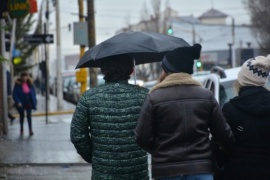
(221, 86)
(138, 82)
(76, 90)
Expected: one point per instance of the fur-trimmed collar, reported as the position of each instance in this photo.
(19, 81)
(176, 79)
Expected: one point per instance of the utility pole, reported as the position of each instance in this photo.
(46, 30)
(91, 38)
(230, 54)
(193, 34)
(59, 59)
(233, 41)
(46, 49)
(3, 83)
(83, 71)
(12, 42)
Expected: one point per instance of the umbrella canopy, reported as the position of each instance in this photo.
(144, 47)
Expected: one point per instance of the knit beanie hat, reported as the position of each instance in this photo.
(255, 71)
(181, 59)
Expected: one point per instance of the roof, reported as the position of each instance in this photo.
(186, 19)
(212, 13)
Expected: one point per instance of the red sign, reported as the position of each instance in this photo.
(33, 6)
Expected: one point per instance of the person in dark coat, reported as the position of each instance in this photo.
(102, 127)
(249, 117)
(24, 96)
(175, 120)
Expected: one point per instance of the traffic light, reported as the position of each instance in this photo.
(198, 64)
(170, 30)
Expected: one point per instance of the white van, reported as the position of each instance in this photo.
(222, 88)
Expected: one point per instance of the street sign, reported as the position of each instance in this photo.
(38, 38)
(80, 33)
(18, 8)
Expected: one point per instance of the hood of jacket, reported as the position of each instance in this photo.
(176, 79)
(253, 100)
(19, 81)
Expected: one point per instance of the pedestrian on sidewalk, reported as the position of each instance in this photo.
(248, 114)
(102, 127)
(175, 120)
(25, 100)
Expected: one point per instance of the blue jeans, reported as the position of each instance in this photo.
(190, 177)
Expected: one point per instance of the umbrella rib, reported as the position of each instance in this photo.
(154, 42)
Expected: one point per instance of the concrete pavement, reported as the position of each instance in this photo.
(48, 154)
(50, 143)
(52, 172)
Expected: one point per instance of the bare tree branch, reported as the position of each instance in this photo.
(260, 13)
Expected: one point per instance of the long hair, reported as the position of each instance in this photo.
(237, 86)
(117, 68)
(163, 76)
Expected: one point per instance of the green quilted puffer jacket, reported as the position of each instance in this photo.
(109, 113)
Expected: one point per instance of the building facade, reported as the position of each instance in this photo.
(223, 43)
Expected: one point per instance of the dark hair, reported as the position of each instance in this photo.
(117, 68)
(24, 74)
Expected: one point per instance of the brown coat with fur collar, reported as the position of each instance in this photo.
(174, 127)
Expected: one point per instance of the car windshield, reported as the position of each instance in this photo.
(68, 79)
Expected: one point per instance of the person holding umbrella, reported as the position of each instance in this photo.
(175, 120)
(102, 127)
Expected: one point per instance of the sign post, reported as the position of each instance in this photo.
(41, 39)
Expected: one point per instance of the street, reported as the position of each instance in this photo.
(45, 172)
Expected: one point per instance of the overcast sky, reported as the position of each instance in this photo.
(112, 15)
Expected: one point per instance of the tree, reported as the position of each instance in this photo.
(25, 26)
(154, 22)
(2, 59)
(260, 11)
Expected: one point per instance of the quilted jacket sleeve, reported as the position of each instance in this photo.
(79, 131)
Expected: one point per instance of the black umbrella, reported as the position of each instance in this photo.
(144, 47)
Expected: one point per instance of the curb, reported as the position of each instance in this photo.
(49, 113)
(43, 164)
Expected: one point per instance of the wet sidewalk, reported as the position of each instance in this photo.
(50, 143)
(48, 154)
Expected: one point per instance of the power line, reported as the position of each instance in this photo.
(135, 11)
